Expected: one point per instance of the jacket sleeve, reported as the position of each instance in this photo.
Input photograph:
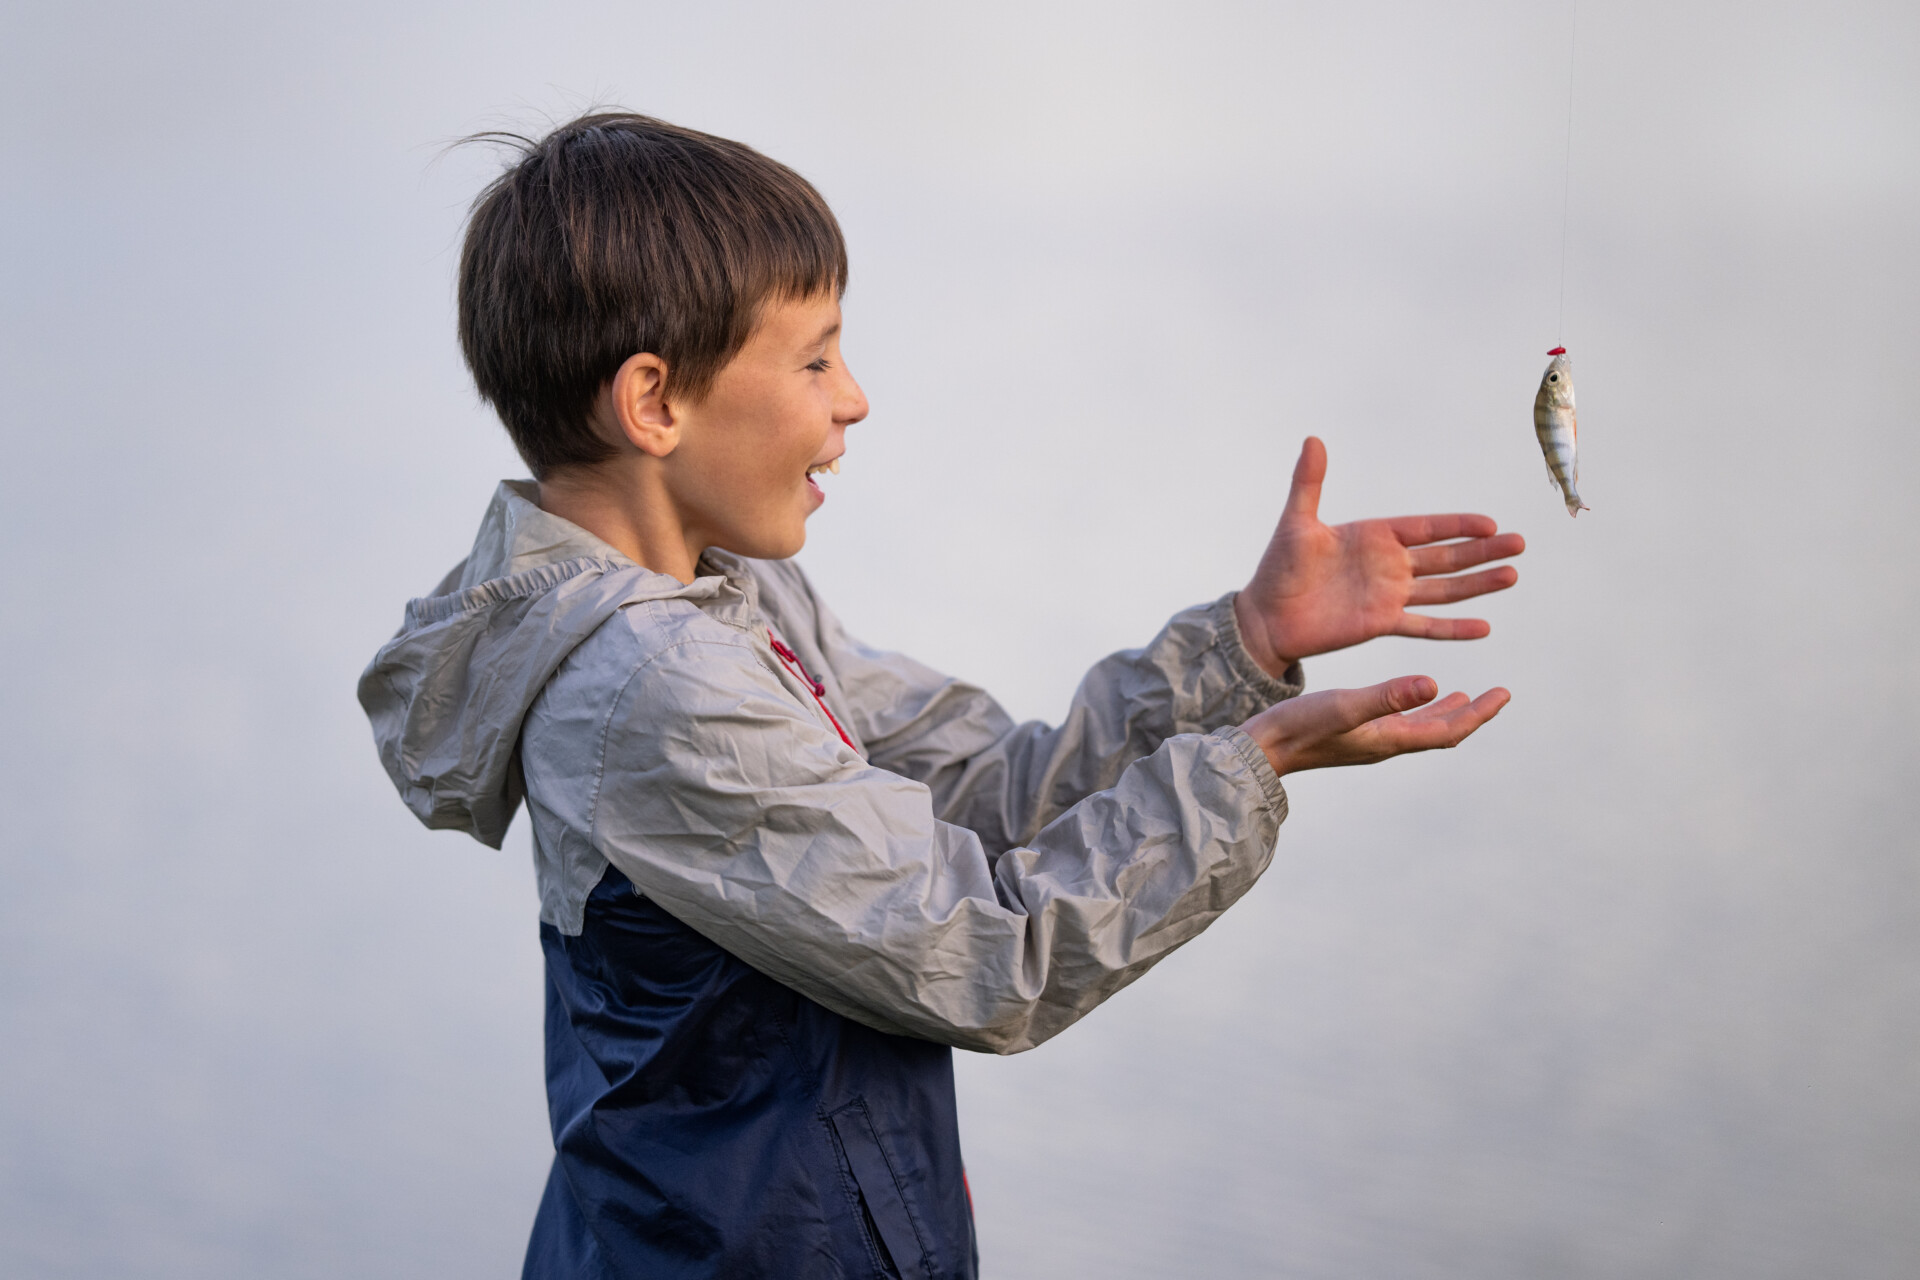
(740, 813)
(1006, 781)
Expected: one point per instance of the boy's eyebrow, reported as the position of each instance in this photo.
(825, 333)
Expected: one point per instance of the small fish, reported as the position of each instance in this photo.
(1559, 431)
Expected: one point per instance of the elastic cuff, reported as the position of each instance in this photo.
(1262, 769)
(1227, 625)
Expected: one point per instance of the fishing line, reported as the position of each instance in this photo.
(1566, 184)
(1554, 420)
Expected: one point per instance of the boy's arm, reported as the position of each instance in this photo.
(1317, 588)
(1006, 781)
(732, 806)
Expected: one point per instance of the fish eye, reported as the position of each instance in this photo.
(1553, 377)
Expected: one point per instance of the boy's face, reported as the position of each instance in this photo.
(738, 476)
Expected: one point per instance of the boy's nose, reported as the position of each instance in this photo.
(850, 405)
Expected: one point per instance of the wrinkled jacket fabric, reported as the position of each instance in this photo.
(871, 858)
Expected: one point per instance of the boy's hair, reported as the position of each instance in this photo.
(617, 234)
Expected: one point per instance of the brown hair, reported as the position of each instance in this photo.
(615, 234)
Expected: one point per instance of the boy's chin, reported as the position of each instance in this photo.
(767, 544)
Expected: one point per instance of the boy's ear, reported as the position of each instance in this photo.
(640, 410)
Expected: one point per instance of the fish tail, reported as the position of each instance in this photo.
(1575, 506)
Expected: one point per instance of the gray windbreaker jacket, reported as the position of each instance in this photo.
(877, 836)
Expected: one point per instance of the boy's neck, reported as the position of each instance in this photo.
(624, 503)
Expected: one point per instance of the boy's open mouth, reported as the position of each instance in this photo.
(831, 467)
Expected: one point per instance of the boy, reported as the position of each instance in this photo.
(781, 872)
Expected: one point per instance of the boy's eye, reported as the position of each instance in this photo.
(821, 365)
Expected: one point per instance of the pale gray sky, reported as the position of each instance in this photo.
(1628, 987)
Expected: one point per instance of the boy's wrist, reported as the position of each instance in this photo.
(1257, 643)
(1266, 730)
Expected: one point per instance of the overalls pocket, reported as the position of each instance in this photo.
(898, 1239)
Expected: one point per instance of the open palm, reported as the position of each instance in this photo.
(1321, 587)
(1365, 726)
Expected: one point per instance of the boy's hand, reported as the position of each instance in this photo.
(1323, 587)
(1361, 726)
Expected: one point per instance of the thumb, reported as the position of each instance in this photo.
(1401, 694)
(1303, 499)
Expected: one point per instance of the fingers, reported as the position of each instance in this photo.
(1429, 590)
(1414, 531)
(1463, 716)
(1447, 590)
(1445, 707)
(1434, 729)
(1489, 704)
(1476, 713)
(1303, 499)
(1464, 555)
(1421, 627)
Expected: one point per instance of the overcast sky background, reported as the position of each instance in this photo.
(1629, 986)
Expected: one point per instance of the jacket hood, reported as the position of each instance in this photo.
(448, 694)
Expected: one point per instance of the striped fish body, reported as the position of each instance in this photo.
(1557, 427)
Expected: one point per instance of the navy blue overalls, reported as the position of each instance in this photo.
(711, 1122)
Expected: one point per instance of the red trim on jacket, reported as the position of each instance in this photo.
(793, 663)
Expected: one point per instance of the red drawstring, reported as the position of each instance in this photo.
(792, 660)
